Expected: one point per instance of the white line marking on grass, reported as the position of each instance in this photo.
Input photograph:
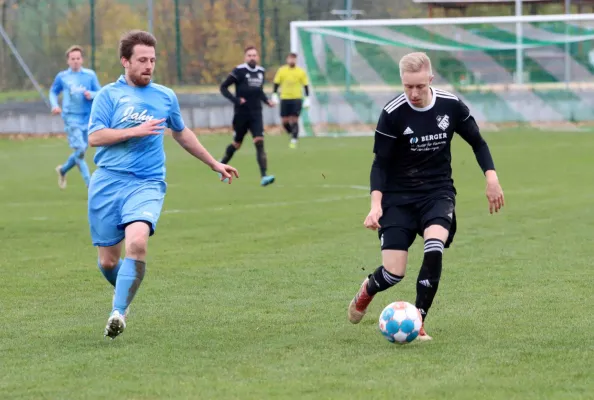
(326, 186)
(43, 203)
(267, 205)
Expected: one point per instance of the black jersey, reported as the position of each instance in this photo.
(249, 84)
(412, 146)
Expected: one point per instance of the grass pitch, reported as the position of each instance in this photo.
(246, 289)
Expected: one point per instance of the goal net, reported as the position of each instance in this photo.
(530, 69)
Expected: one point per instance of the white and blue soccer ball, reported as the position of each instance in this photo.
(400, 322)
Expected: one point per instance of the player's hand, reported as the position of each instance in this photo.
(241, 100)
(149, 128)
(227, 172)
(87, 95)
(56, 111)
(372, 220)
(275, 98)
(270, 103)
(306, 103)
(494, 194)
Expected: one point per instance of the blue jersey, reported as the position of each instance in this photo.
(74, 85)
(120, 106)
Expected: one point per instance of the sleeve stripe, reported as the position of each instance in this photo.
(444, 93)
(392, 106)
(466, 117)
(443, 96)
(385, 134)
(393, 102)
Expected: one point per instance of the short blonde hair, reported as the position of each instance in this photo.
(415, 62)
(74, 48)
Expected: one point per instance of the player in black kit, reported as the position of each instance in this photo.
(248, 79)
(412, 191)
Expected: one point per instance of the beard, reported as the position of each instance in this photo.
(140, 80)
(252, 64)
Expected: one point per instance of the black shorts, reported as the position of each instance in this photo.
(290, 108)
(400, 224)
(244, 122)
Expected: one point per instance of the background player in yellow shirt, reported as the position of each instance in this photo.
(292, 81)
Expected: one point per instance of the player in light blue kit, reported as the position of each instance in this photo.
(79, 85)
(127, 189)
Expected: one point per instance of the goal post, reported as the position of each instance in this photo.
(529, 69)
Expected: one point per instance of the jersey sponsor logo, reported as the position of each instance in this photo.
(408, 131)
(76, 88)
(437, 136)
(428, 142)
(443, 121)
(140, 117)
(256, 80)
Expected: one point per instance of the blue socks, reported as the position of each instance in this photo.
(77, 158)
(67, 166)
(84, 170)
(110, 274)
(129, 277)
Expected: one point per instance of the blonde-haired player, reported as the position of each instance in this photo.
(292, 81)
(412, 191)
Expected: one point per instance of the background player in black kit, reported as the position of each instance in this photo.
(412, 191)
(248, 79)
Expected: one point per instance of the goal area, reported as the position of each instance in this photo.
(526, 69)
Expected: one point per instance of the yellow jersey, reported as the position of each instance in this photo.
(291, 82)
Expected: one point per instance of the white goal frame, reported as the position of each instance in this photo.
(518, 20)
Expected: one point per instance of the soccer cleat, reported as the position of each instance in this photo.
(423, 335)
(115, 325)
(61, 177)
(359, 304)
(267, 180)
(293, 144)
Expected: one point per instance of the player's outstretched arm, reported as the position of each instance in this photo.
(107, 136)
(224, 88)
(94, 89)
(306, 102)
(274, 97)
(188, 140)
(469, 131)
(265, 98)
(54, 92)
(377, 183)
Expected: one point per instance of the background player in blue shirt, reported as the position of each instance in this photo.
(79, 87)
(127, 189)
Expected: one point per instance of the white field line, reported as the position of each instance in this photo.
(267, 205)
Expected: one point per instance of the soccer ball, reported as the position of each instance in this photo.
(400, 322)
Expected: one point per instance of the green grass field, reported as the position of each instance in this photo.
(247, 287)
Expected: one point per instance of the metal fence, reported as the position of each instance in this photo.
(199, 40)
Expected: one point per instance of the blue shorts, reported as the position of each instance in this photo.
(77, 130)
(116, 200)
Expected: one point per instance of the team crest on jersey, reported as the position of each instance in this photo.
(443, 121)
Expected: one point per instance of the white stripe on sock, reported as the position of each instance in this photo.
(391, 279)
(434, 245)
